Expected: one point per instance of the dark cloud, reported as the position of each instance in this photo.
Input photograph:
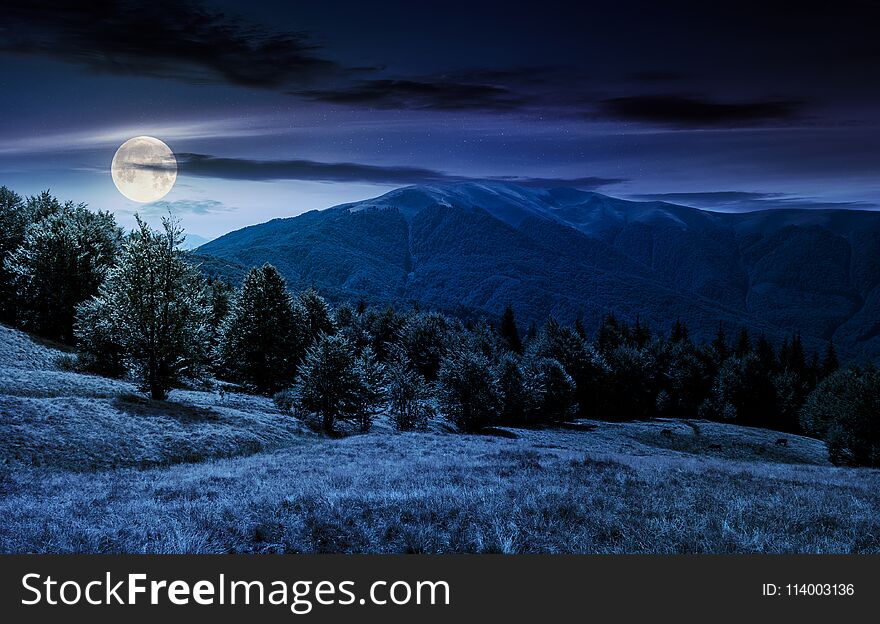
(490, 89)
(698, 111)
(657, 75)
(746, 201)
(420, 94)
(203, 165)
(172, 39)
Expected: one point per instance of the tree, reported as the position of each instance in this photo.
(424, 338)
(337, 384)
(60, 263)
(550, 392)
(630, 387)
(508, 331)
(468, 390)
(743, 344)
(317, 313)
(587, 368)
(408, 394)
(264, 336)
(744, 391)
(830, 363)
(843, 410)
(719, 343)
(155, 306)
(13, 223)
(679, 332)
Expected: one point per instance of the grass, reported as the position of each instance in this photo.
(88, 465)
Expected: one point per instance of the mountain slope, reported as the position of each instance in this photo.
(478, 246)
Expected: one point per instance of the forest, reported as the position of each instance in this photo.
(137, 306)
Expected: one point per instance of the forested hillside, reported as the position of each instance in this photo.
(474, 248)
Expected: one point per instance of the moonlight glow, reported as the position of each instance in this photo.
(144, 169)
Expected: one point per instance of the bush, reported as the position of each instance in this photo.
(468, 390)
(843, 411)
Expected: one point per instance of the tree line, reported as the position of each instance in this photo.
(135, 306)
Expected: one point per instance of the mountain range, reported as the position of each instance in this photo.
(471, 248)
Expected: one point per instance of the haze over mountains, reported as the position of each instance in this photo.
(475, 247)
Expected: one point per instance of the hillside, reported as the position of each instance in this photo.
(89, 465)
(475, 247)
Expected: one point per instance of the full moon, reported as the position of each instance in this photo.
(144, 169)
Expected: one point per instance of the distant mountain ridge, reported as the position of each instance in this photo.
(478, 246)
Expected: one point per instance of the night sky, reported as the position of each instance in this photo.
(275, 108)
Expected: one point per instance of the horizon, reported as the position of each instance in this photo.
(302, 110)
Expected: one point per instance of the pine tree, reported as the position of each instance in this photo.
(318, 315)
(337, 384)
(743, 344)
(155, 306)
(679, 332)
(508, 331)
(719, 343)
(830, 362)
(641, 334)
(265, 334)
(766, 354)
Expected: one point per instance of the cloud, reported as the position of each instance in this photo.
(421, 94)
(203, 165)
(491, 89)
(698, 111)
(184, 206)
(747, 201)
(178, 39)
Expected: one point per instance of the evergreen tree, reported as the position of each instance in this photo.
(582, 362)
(408, 395)
(641, 334)
(318, 317)
(830, 363)
(508, 331)
(265, 335)
(765, 354)
(743, 344)
(62, 259)
(155, 306)
(679, 332)
(719, 343)
(337, 384)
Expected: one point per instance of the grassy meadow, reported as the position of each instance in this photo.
(89, 465)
